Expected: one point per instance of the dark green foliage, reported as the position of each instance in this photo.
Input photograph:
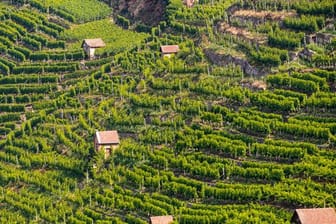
(323, 7)
(282, 80)
(285, 39)
(17, 55)
(24, 21)
(122, 21)
(304, 23)
(32, 43)
(4, 69)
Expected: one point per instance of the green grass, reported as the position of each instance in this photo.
(116, 38)
(227, 50)
(4, 5)
(316, 48)
(82, 10)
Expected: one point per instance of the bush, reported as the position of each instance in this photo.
(285, 39)
(39, 57)
(49, 31)
(16, 55)
(56, 44)
(304, 23)
(24, 21)
(32, 43)
(27, 69)
(122, 21)
(4, 69)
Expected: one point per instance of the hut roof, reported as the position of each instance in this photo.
(168, 49)
(161, 219)
(107, 137)
(94, 43)
(316, 215)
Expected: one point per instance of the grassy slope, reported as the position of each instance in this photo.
(116, 38)
(83, 10)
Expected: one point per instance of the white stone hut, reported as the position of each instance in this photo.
(90, 46)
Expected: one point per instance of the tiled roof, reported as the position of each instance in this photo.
(94, 43)
(316, 216)
(107, 137)
(161, 219)
(167, 49)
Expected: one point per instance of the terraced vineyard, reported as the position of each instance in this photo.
(238, 127)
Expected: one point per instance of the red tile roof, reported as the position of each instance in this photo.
(161, 219)
(107, 137)
(94, 43)
(168, 49)
(317, 215)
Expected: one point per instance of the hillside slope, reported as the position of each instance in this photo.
(239, 126)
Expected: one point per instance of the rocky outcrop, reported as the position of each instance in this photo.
(242, 34)
(319, 38)
(149, 12)
(244, 17)
(223, 60)
(232, 9)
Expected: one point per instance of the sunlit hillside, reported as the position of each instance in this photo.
(224, 112)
